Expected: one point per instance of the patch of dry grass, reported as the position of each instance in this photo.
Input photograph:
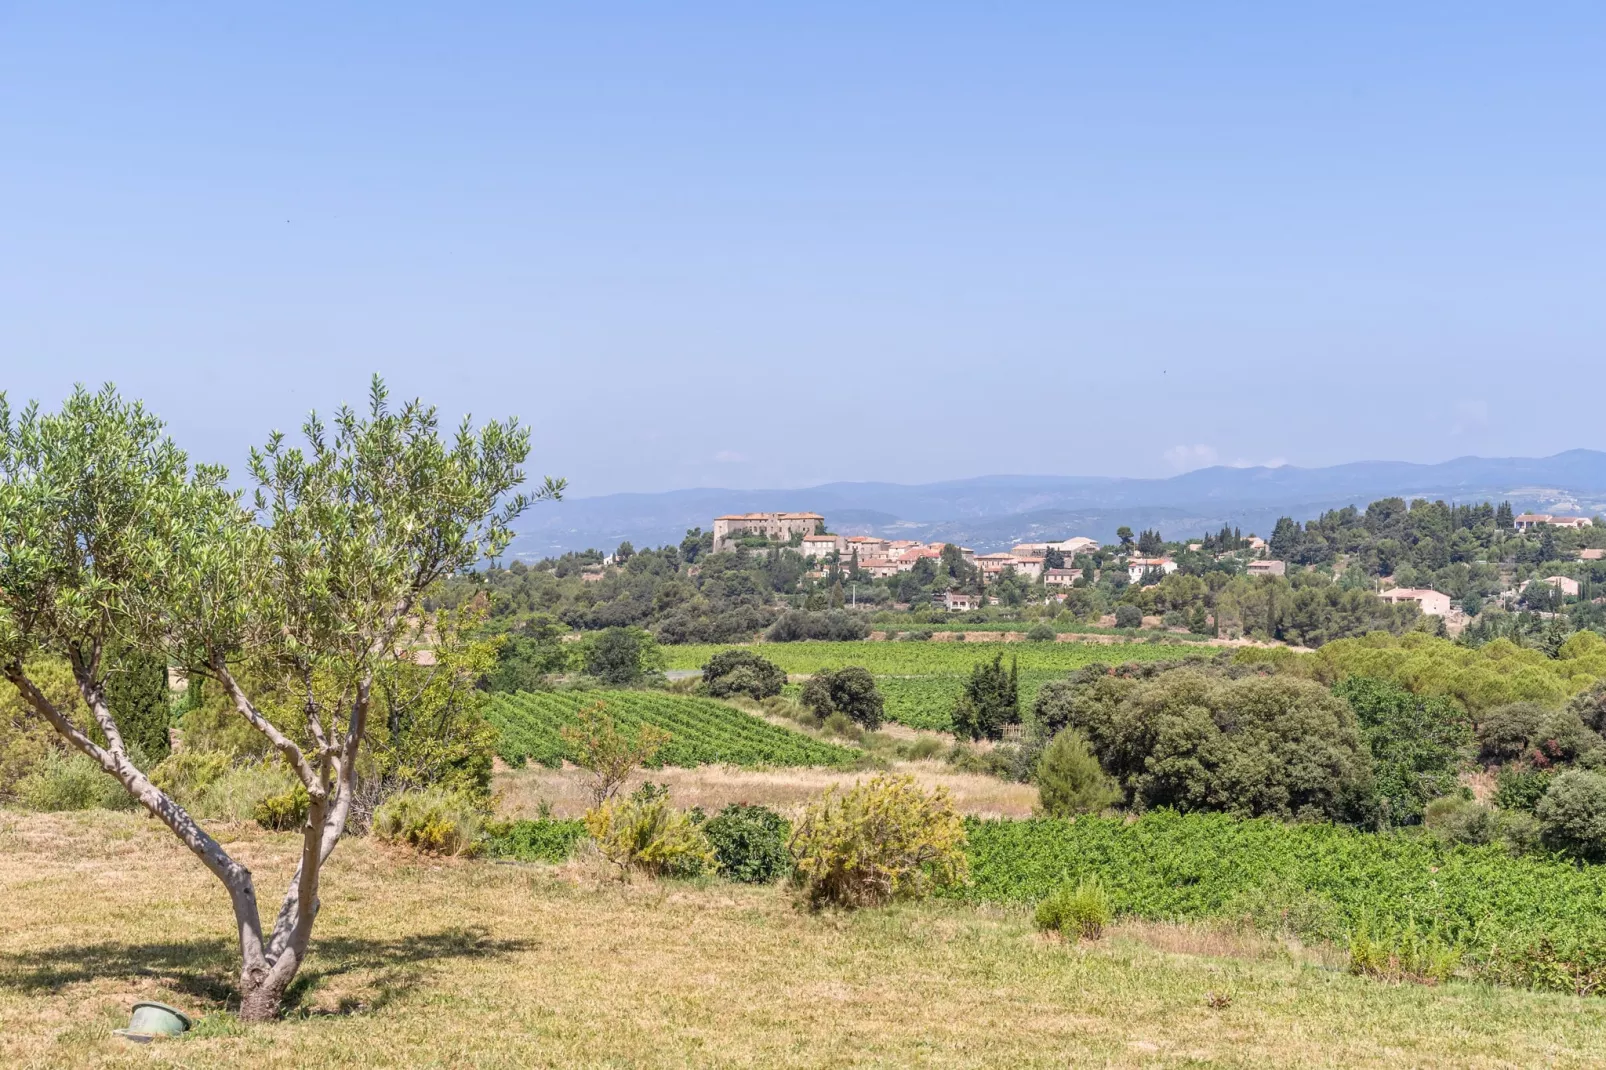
(786, 790)
(421, 963)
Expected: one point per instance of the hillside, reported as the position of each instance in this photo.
(991, 512)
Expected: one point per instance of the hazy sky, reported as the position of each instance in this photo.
(773, 245)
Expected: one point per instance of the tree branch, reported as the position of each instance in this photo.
(282, 742)
(235, 877)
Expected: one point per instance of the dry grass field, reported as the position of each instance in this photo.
(787, 790)
(468, 964)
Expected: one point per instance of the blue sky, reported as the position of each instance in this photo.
(766, 245)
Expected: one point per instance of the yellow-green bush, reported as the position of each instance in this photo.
(1481, 678)
(187, 775)
(883, 840)
(644, 834)
(434, 821)
(1080, 912)
(71, 781)
(1404, 956)
(283, 812)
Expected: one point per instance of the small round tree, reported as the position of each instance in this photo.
(850, 691)
(1070, 780)
(1572, 815)
(742, 672)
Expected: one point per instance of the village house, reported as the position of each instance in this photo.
(1030, 567)
(881, 568)
(1137, 567)
(820, 545)
(1069, 547)
(993, 564)
(1529, 521)
(1060, 577)
(955, 602)
(1255, 543)
(780, 527)
(1565, 584)
(1268, 567)
(1591, 555)
(1433, 603)
(867, 545)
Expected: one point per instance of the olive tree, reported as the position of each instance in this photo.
(109, 537)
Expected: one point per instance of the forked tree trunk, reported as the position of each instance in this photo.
(267, 967)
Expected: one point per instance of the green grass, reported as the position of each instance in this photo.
(546, 840)
(921, 681)
(701, 731)
(1532, 921)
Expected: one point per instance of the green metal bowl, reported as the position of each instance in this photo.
(155, 1020)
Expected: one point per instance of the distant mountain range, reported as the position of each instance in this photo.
(994, 512)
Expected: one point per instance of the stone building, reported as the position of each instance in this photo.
(780, 527)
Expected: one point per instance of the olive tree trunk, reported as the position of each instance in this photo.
(267, 965)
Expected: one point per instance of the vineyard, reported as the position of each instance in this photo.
(921, 681)
(701, 731)
(1537, 922)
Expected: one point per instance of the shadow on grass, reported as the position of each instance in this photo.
(205, 969)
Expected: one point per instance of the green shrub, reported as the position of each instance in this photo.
(546, 840)
(883, 840)
(1041, 633)
(990, 701)
(1572, 815)
(923, 748)
(1079, 913)
(1506, 731)
(1403, 956)
(1005, 761)
(644, 834)
(186, 775)
(283, 812)
(1520, 788)
(1416, 746)
(742, 672)
(749, 843)
(1070, 780)
(63, 781)
(850, 691)
(236, 795)
(1128, 616)
(1459, 820)
(434, 821)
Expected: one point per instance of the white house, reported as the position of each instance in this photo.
(1528, 521)
(992, 564)
(1060, 577)
(1565, 584)
(1030, 567)
(1138, 567)
(1079, 544)
(820, 545)
(955, 602)
(1433, 603)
